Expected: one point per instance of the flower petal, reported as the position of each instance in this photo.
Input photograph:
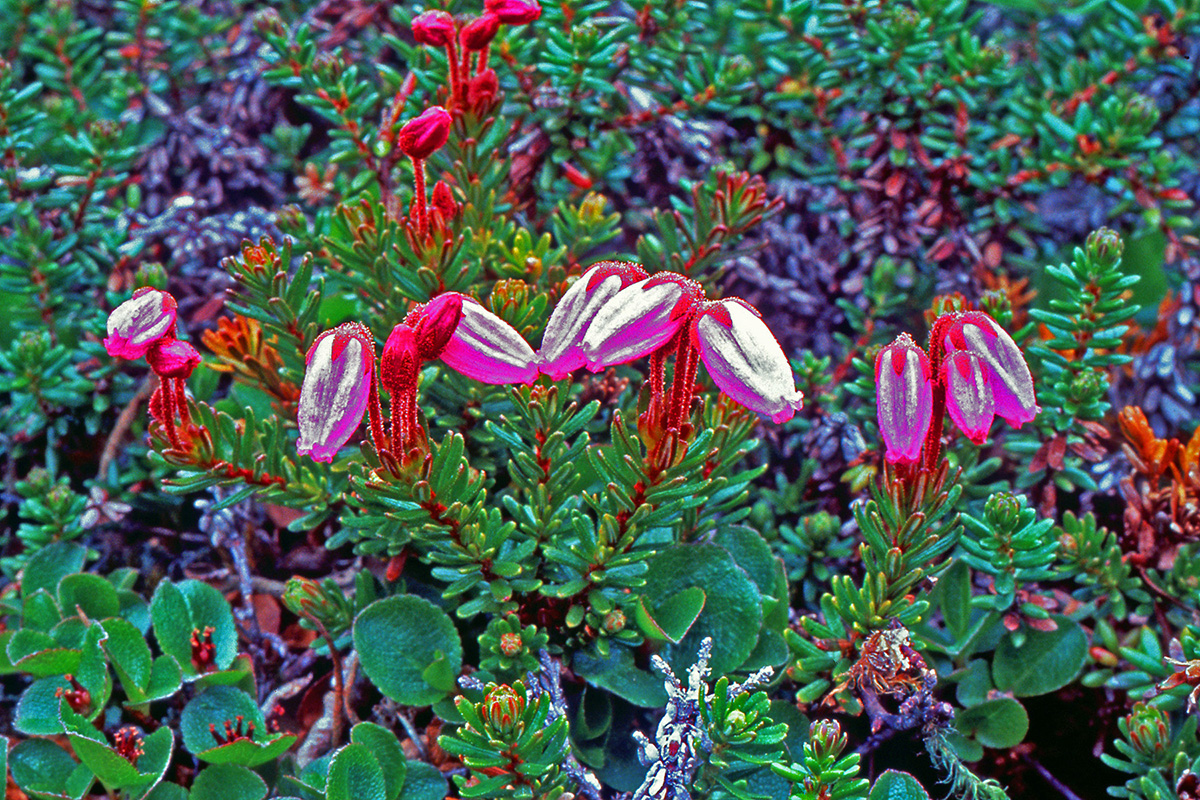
(562, 343)
(337, 385)
(639, 319)
(904, 399)
(745, 360)
(969, 394)
(488, 349)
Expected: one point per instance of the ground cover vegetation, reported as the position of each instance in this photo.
(498, 399)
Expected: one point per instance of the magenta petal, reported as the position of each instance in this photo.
(638, 320)
(969, 394)
(488, 349)
(139, 322)
(335, 392)
(745, 360)
(562, 343)
(904, 399)
(1012, 383)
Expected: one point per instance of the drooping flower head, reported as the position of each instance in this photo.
(435, 28)
(487, 348)
(1009, 377)
(338, 377)
(562, 343)
(434, 323)
(479, 32)
(969, 397)
(904, 398)
(139, 322)
(514, 12)
(744, 358)
(639, 319)
(172, 358)
(424, 135)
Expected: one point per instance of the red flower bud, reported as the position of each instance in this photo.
(514, 12)
(435, 322)
(443, 200)
(424, 135)
(398, 364)
(171, 358)
(479, 32)
(482, 87)
(433, 28)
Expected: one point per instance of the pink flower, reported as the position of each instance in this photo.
(433, 28)
(514, 12)
(969, 394)
(639, 319)
(487, 348)
(904, 398)
(745, 360)
(424, 135)
(562, 343)
(479, 32)
(139, 322)
(171, 358)
(1009, 377)
(337, 385)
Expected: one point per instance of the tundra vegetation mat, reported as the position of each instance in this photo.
(760, 400)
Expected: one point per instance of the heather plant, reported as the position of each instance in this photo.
(538, 401)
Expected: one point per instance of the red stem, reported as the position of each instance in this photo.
(483, 58)
(185, 417)
(683, 383)
(418, 203)
(933, 440)
(455, 80)
(376, 416)
(168, 398)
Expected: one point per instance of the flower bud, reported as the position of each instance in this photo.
(400, 360)
(479, 32)
(969, 394)
(487, 348)
(443, 200)
(1011, 382)
(514, 12)
(340, 367)
(502, 707)
(639, 319)
(139, 322)
(434, 28)
(482, 87)
(424, 135)
(171, 358)
(745, 360)
(562, 343)
(435, 322)
(904, 398)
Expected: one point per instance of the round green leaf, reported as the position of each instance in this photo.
(893, 785)
(355, 774)
(93, 594)
(423, 782)
(41, 767)
(732, 613)
(130, 656)
(228, 782)
(752, 554)
(51, 564)
(998, 723)
(177, 609)
(214, 706)
(397, 638)
(1045, 661)
(37, 713)
(384, 745)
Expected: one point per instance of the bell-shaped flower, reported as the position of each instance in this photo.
(433, 28)
(903, 399)
(562, 343)
(514, 12)
(479, 32)
(487, 348)
(969, 396)
(1011, 382)
(745, 360)
(139, 322)
(338, 376)
(424, 135)
(639, 319)
(172, 358)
